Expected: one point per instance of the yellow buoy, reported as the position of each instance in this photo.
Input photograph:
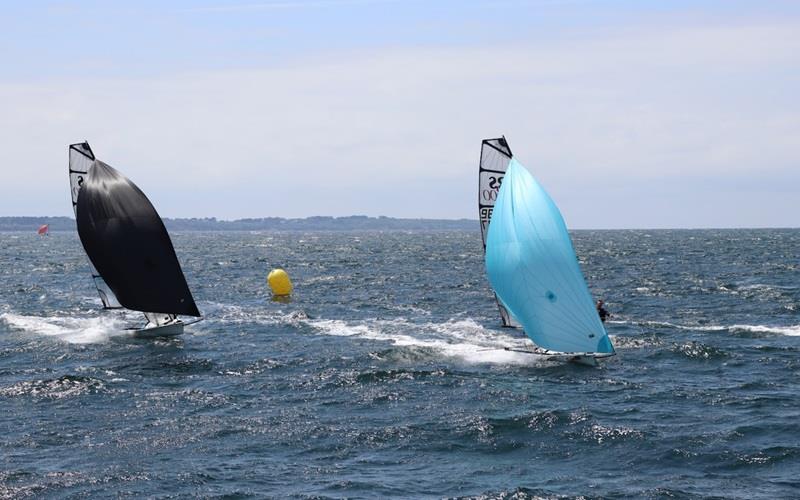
(279, 282)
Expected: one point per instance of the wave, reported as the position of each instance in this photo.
(698, 350)
(667, 324)
(462, 339)
(69, 329)
(55, 388)
(634, 342)
(792, 331)
(764, 286)
(236, 314)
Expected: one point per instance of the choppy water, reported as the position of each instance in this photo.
(386, 376)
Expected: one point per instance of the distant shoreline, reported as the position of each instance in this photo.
(320, 223)
(27, 224)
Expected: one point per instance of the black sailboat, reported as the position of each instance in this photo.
(133, 261)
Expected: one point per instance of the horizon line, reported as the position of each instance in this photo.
(378, 217)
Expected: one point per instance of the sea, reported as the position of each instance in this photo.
(387, 374)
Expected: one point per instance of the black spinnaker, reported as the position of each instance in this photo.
(128, 244)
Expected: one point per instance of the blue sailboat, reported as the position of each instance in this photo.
(535, 273)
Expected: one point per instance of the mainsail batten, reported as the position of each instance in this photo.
(533, 269)
(81, 158)
(495, 157)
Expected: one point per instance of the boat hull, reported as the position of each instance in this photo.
(582, 358)
(170, 330)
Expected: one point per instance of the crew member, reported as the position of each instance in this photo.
(601, 311)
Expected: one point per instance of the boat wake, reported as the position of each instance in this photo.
(792, 331)
(463, 339)
(69, 329)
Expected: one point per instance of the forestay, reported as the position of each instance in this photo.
(495, 156)
(533, 269)
(81, 158)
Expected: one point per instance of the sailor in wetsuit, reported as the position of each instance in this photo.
(601, 311)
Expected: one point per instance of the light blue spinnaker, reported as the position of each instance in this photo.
(534, 271)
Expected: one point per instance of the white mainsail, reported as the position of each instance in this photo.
(495, 157)
(81, 158)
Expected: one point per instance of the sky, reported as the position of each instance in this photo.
(631, 113)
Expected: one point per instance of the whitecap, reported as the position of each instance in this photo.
(464, 339)
(792, 331)
(69, 329)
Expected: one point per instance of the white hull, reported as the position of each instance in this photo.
(581, 358)
(170, 330)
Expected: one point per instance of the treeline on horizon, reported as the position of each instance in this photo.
(318, 223)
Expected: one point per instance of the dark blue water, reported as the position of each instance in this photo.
(386, 375)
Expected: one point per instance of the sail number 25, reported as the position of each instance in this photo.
(494, 186)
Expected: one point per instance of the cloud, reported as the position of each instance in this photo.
(294, 4)
(626, 108)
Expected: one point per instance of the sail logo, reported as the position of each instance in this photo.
(489, 194)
